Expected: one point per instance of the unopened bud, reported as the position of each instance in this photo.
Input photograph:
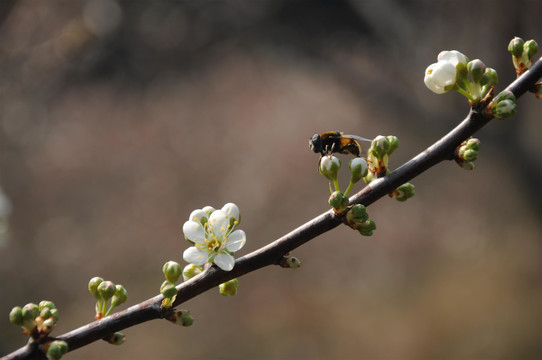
(106, 289)
(229, 288)
(476, 68)
(531, 48)
(191, 270)
(172, 270)
(93, 287)
(168, 289)
(338, 201)
(56, 349)
(121, 295)
(516, 46)
(16, 315)
(329, 167)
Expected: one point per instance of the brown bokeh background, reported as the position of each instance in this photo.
(118, 118)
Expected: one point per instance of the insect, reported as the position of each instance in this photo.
(336, 142)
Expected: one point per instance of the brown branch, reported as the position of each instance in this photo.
(272, 253)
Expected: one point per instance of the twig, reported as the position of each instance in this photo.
(272, 253)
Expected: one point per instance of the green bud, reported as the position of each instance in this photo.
(359, 168)
(476, 68)
(182, 318)
(229, 288)
(473, 144)
(117, 338)
(404, 192)
(47, 326)
(338, 201)
(56, 349)
(394, 143)
(538, 92)
(380, 146)
(168, 289)
(489, 78)
(329, 167)
(516, 46)
(191, 270)
(121, 295)
(16, 315)
(467, 165)
(54, 314)
(505, 109)
(93, 287)
(172, 271)
(356, 216)
(45, 313)
(469, 155)
(530, 48)
(46, 304)
(30, 311)
(106, 289)
(366, 228)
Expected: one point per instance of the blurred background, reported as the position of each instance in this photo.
(118, 118)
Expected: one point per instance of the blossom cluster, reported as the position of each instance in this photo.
(454, 72)
(213, 236)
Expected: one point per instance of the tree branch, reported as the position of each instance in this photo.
(272, 253)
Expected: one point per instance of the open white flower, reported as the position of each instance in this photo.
(440, 77)
(214, 237)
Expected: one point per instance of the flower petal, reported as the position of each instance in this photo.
(224, 261)
(231, 210)
(199, 216)
(194, 231)
(454, 57)
(219, 224)
(439, 76)
(195, 256)
(236, 241)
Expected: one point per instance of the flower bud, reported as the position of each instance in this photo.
(292, 262)
(505, 109)
(191, 270)
(56, 349)
(117, 338)
(476, 68)
(172, 270)
(329, 167)
(29, 313)
(538, 92)
(229, 288)
(45, 313)
(93, 287)
(358, 167)
(338, 201)
(121, 295)
(404, 192)
(54, 314)
(473, 144)
(394, 143)
(47, 326)
(356, 216)
(181, 317)
(106, 289)
(380, 146)
(46, 304)
(168, 289)
(516, 46)
(503, 105)
(530, 48)
(489, 78)
(366, 229)
(16, 315)
(467, 165)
